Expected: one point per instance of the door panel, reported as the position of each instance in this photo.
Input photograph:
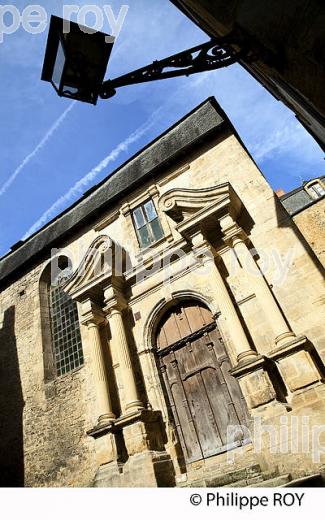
(183, 417)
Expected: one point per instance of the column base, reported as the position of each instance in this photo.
(297, 363)
(249, 355)
(257, 381)
(144, 462)
(284, 338)
(134, 406)
(106, 419)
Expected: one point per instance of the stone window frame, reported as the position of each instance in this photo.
(312, 192)
(49, 363)
(153, 235)
(151, 193)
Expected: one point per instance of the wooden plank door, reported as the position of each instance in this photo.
(203, 396)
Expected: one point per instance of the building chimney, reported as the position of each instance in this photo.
(279, 192)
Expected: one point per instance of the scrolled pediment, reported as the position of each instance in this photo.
(103, 259)
(188, 206)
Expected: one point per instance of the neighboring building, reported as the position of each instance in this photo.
(140, 345)
(306, 206)
(286, 44)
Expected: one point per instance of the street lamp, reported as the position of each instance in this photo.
(76, 61)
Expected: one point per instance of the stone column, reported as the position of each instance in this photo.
(120, 345)
(292, 354)
(92, 319)
(243, 350)
(236, 238)
(251, 371)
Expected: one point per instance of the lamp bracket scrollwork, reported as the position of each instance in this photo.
(214, 54)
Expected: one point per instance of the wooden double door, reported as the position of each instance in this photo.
(204, 398)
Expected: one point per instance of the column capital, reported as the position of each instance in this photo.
(202, 248)
(114, 298)
(91, 313)
(198, 239)
(232, 233)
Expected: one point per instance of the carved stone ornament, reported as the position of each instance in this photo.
(104, 259)
(191, 208)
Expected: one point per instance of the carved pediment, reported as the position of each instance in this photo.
(104, 259)
(188, 207)
(182, 203)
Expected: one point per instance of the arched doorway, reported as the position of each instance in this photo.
(204, 398)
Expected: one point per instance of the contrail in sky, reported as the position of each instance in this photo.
(40, 145)
(79, 187)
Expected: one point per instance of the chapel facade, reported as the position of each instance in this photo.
(167, 330)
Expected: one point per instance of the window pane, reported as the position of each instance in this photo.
(156, 229)
(319, 190)
(139, 218)
(150, 210)
(66, 339)
(58, 66)
(144, 236)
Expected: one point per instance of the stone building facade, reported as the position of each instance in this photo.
(167, 330)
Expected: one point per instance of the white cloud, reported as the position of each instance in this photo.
(37, 149)
(78, 188)
(278, 141)
(268, 128)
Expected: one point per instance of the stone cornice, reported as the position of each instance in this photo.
(157, 256)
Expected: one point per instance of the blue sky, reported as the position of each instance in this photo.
(52, 151)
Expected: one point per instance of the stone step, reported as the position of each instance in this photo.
(217, 478)
(253, 476)
(278, 481)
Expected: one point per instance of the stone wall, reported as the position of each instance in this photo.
(41, 424)
(311, 223)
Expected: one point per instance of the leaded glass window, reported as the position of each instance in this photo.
(147, 224)
(65, 330)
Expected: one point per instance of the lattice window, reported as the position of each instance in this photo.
(66, 338)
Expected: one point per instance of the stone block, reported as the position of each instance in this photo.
(148, 469)
(296, 364)
(109, 475)
(106, 450)
(142, 431)
(255, 383)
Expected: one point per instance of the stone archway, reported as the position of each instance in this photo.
(203, 397)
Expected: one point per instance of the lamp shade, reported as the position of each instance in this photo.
(76, 59)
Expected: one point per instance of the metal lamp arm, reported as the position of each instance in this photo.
(214, 54)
